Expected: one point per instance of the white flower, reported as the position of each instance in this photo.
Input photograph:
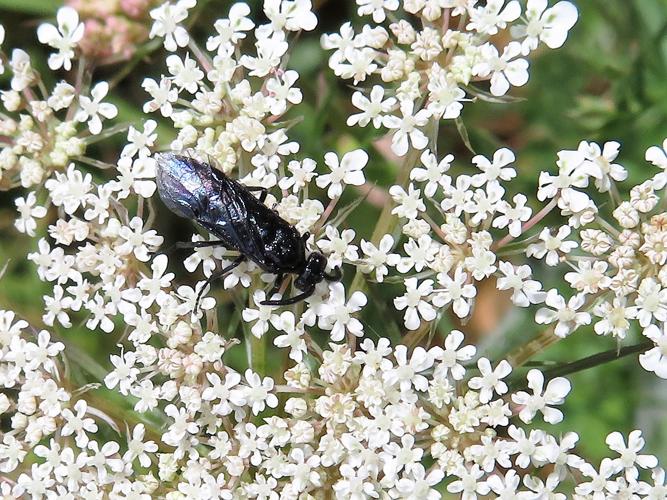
(91, 109)
(513, 216)
(153, 286)
(62, 96)
(27, 213)
(230, 30)
(615, 318)
(166, 18)
(599, 163)
(163, 96)
(658, 155)
(406, 127)
(262, 316)
(24, 75)
(630, 456)
(600, 484)
(222, 393)
(54, 308)
(504, 69)
(140, 142)
(186, 73)
(525, 290)
(281, 92)
(124, 373)
(376, 8)
(551, 245)
(378, 258)
(135, 175)
(269, 54)
(293, 336)
(570, 175)
(360, 64)
(494, 15)
(406, 373)
(294, 15)
(373, 108)
(338, 246)
(450, 357)
(302, 173)
(655, 359)
(138, 449)
(651, 302)
(470, 483)
(138, 241)
(564, 314)
(64, 38)
(409, 204)
(490, 380)
(414, 304)
(257, 394)
(336, 314)
(445, 96)
(496, 170)
(542, 398)
(456, 291)
(547, 25)
(76, 423)
(349, 170)
(505, 487)
(70, 189)
(433, 172)
(589, 277)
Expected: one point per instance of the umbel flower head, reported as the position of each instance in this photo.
(329, 402)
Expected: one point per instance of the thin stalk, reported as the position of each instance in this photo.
(596, 360)
(535, 346)
(386, 221)
(257, 354)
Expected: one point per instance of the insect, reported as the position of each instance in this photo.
(227, 209)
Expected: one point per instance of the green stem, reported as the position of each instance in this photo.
(256, 349)
(386, 221)
(596, 360)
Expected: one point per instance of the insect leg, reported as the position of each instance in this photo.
(277, 284)
(179, 245)
(336, 275)
(292, 300)
(218, 275)
(263, 192)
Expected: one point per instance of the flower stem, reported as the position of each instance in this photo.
(597, 360)
(535, 346)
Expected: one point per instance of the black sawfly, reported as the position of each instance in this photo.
(227, 209)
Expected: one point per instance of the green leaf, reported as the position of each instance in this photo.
(40, 7)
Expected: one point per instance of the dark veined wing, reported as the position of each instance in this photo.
(233, 216)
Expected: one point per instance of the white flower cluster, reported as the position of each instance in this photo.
(354, 421)
(49, 422)
(435, 55)
(616, 262)
(362, 424)
(41, 128)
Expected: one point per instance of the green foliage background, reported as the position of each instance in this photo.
(609, 82)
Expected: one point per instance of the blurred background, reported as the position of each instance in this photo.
(608, 82)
